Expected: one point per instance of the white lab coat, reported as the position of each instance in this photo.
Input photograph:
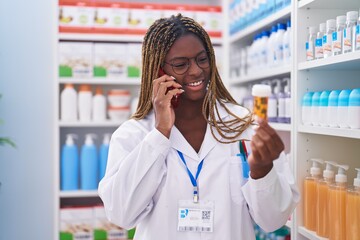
(145, 179)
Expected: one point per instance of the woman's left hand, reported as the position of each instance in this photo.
(266, 146)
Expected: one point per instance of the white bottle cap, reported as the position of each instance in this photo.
(340, 19)
(357, 179)
(315, 169)
(261, 90)
(328, 172)
(89, 138)
(106, 139)
(322, 27)
(70, 138)
(341, 176)
(331, 23)
(352, 15)
(313, 30)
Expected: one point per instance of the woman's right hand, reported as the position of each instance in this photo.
(161, 100)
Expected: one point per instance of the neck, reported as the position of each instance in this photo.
(189, 109)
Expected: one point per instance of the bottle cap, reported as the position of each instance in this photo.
(324, 98)
(344, 98)
(313, 30)
(288, 23)
(70, 138)
(261, 90)
(315, 101)
(352, 15)
(69, 85)
(315, 169)
(84, 88)
(89, 138)
(322, 27)
(307, 99)
(334, 98)
(98, 91)
(331, 23)
(354, 98)
(328, 172)
(281, 26)
(340, 19)
(357, 179)
(341, 176)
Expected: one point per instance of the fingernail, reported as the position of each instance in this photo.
(173, 77)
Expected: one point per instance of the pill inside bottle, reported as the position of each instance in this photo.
(261, 93)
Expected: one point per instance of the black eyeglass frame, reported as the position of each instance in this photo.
(188, 62)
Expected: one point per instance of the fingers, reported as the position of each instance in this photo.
(160, 85)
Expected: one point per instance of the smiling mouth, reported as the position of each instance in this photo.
(194, 84)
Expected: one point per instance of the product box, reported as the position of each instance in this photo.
(142, 16)
(111, 16)
(75, 59)
(173, 9)
(110, 60)
(76, 15)
(105, 230)
(76, 223)
(210, 19)
(134, 60)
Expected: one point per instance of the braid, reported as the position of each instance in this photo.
(157, 42)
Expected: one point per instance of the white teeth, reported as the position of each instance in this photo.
(194, 84)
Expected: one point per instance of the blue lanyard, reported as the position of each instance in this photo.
(192, 178)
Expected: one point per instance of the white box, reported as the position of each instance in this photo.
(77, 222)
(110, 60)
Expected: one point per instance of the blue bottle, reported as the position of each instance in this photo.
(89, 164)
(104, 151)
(69, 166)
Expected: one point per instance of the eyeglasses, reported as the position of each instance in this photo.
(181, 65)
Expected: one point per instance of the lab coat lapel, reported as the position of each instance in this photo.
(179, 143)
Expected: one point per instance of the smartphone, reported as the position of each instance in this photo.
(175, 99)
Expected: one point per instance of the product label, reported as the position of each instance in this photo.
(286, 52)
(357, 37)
(336, 42)
(319, 53)
(327, 42)
(309, 51)
(347, 39)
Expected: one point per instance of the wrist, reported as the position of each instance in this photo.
(260, 172)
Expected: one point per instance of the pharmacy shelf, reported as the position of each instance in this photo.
(310, 234)
(320, 4)
(100, 80)
(265, 23)
(265, 74)
(112, 38)
(77, 194)
(283, 127)
(338, 132)
(108, 123)
(347, 61)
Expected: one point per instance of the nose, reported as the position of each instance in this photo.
(194, 69)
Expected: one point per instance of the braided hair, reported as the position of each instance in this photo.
(157, 42)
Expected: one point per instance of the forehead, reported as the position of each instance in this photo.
(186, 46)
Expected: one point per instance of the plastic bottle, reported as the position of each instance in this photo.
(337, 207)
(272, 103)
(69, 166)
(287, 44)
(271, 47)
(315, 102)
(89, 164)
(287, 93)
(337, 36)
(104, 151)
(319, 51)
(310, 44)
(279, 50)
(354, 109)
(263, 48)
(68, 108)
(310, 204)
(281, 101)
(352, 209)
(357, 34)
(85, 103)
(306, 108)
(99, 106)
(323, 108)
(332, 112)
(327, 38)
(343, 106)
(322, 224)
(349, 32)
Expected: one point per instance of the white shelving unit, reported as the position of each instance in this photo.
(338, 72)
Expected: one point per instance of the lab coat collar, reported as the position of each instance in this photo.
(179, 142)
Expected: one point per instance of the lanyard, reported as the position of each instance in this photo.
(192, 178)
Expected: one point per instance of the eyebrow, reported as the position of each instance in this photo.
(202, 51)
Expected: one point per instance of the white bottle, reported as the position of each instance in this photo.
(273, 103)
(319, 51)
(327, 39)
(99, 106)
(263, 48)
(337, 36)
(287, 100)
(349, 32)
(68, 102)
(315, 104)
(310, 44)
(85, 103)
(279, 51)
(271, 47)
(354, 109)
(343, 106)
(306, 109)
(287, 45)
(357, 35)
(332, 112)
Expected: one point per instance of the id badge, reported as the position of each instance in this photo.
(195, 217)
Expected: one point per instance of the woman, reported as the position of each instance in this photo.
(173, 170)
